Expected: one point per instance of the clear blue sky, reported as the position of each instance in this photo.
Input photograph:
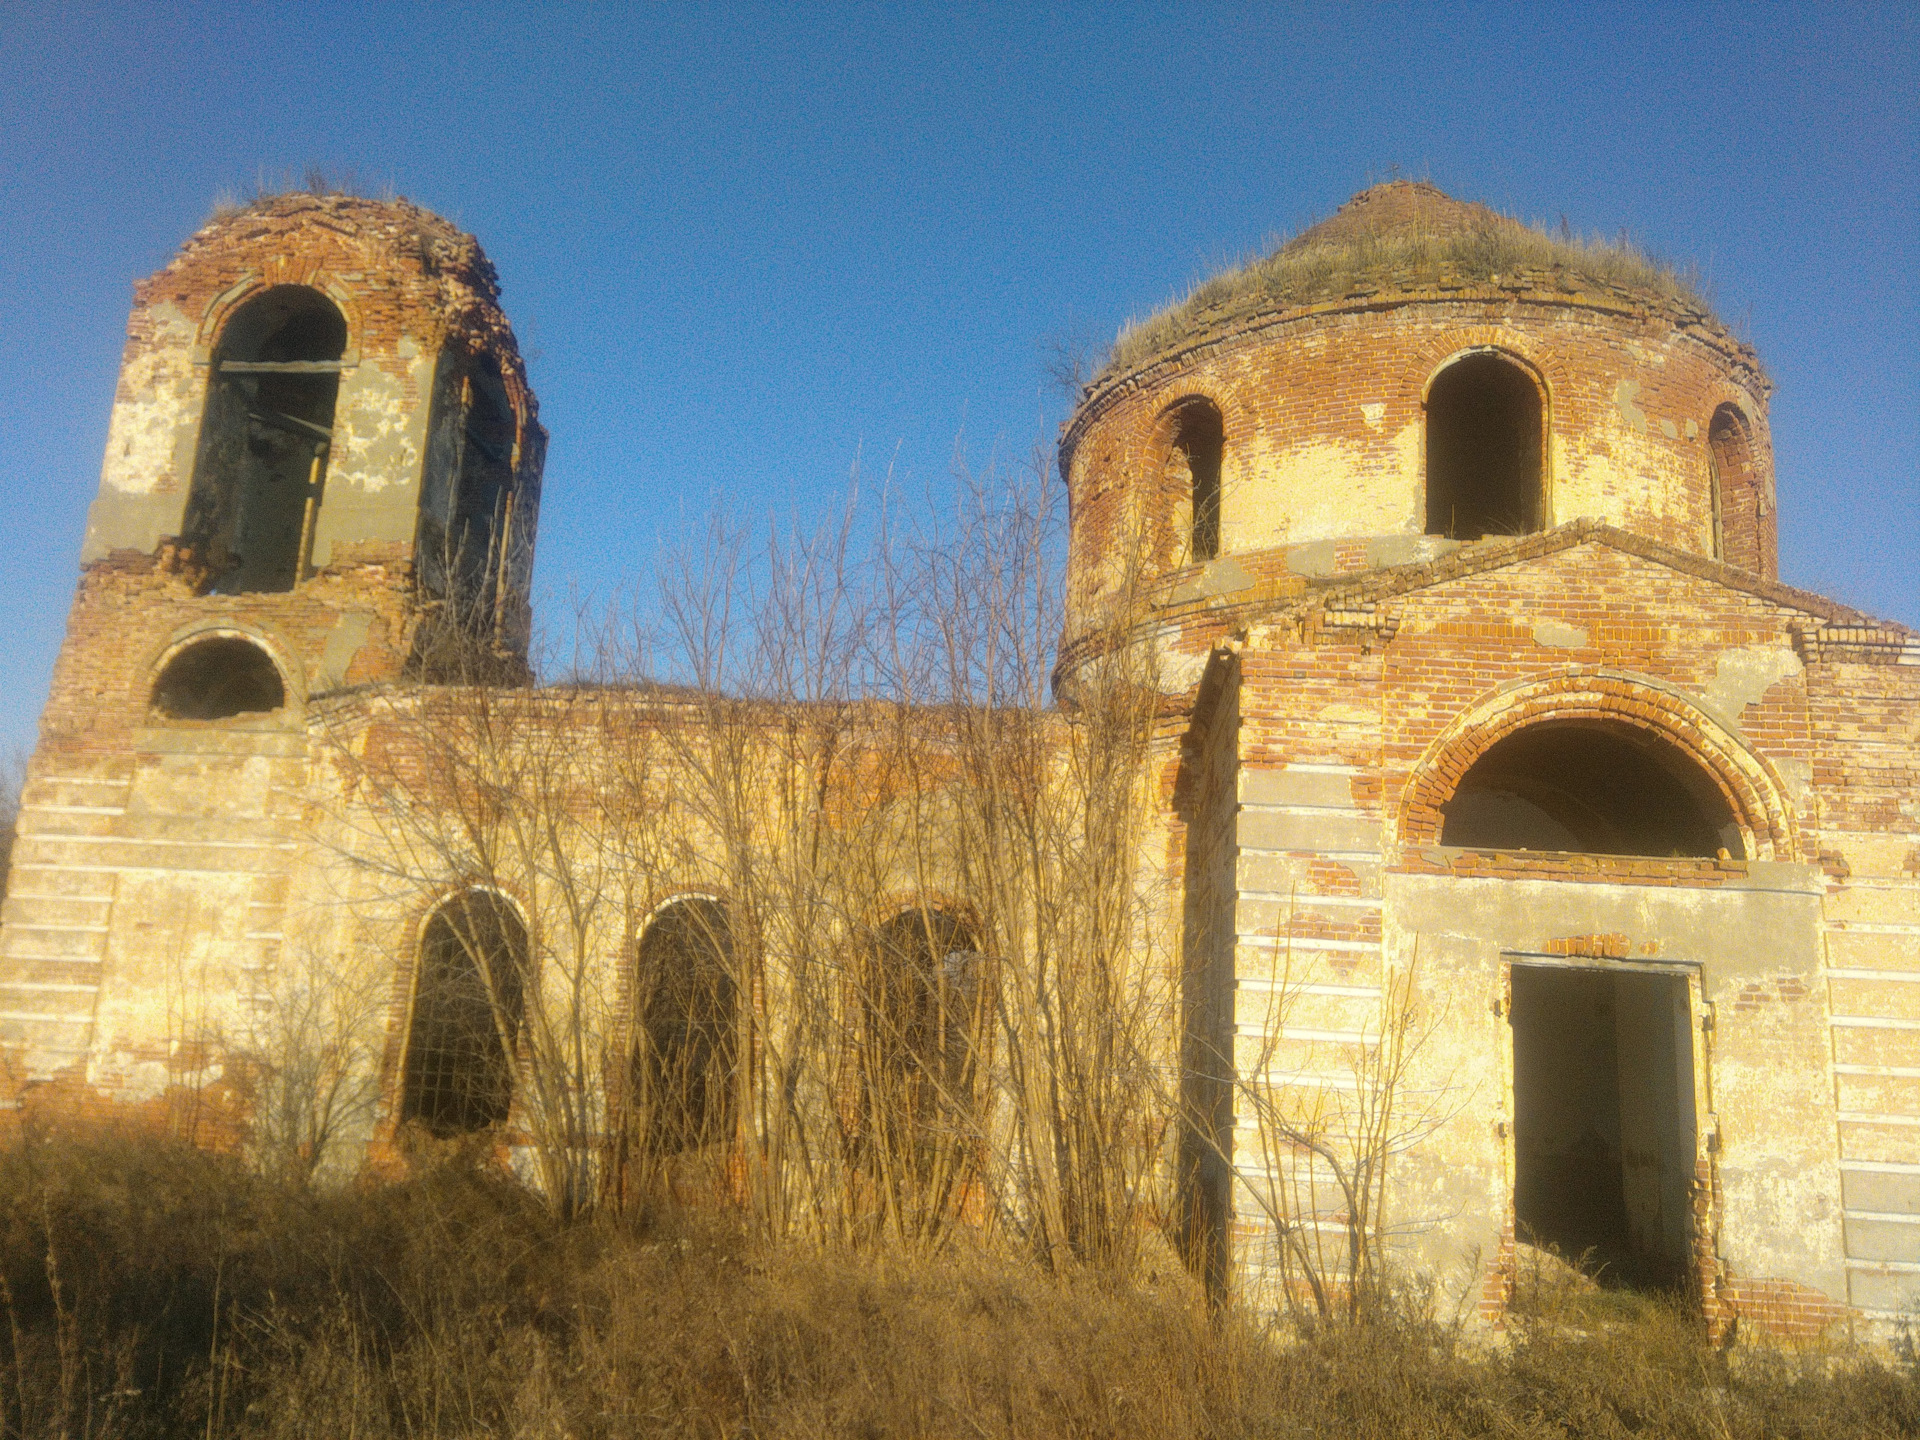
(744, 245)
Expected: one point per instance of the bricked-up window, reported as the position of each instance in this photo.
(688, 1042)
(1736, 490)
(1484, 450)
(264, 440)
(1593, 788)
(217, 679)
(467, 1008)
(467, 497)
(1194, 449)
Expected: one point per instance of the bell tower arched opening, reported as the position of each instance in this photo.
(264, 440)
(467, 501)
(1485, 451)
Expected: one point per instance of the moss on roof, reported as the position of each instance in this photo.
(1405, 235)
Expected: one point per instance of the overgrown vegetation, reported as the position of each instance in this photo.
(13, 779)
(315, 180)
(155, 1290)
(1307, 269)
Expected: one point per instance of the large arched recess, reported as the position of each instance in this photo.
(1751, 791)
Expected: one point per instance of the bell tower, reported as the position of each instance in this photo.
(322, 472)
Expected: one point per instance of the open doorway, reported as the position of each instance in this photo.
(1604, 1123)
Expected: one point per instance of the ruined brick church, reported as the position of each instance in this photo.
(1478, 696)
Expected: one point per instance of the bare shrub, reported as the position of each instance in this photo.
(13, 781)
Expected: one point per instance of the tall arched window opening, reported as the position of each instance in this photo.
(1737, 520)
(1485, 467)
(1194, 453)
(1591, 787)
(688, 1040)
(924, 1011)
(467, 498)
(264, 440)
(467, 1010)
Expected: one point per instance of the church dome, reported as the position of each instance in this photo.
(1413, 373)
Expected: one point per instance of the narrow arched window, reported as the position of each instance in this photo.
(925, 1016)
(1592, 787)
(467, 498)
(1195, 446)
(216, 679)
(1736, 490)
(468, 1003)
(264, 440)
(1485, 456)
(687, 1042)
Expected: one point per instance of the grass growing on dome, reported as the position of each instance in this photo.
(1307, 269)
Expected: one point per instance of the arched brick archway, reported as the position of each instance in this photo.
(1751, 791)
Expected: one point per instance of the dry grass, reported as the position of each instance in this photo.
(158, 1291)
(1403, 257)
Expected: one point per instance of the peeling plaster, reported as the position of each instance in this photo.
(1559, 636)
(160, 392)
(1797, 775)
(1179, 673)
(343, 643)
(1624, 395)
(1225, 576)
(1743, 676)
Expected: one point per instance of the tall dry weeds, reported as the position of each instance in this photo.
(153, 1290)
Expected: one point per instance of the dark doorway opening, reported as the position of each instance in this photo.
(925, 1009)
(264, 440)
(1604, 1125)
(1483, 450)
(1208, 795)
(1593, 788)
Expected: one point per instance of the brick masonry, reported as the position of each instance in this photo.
(177, 865)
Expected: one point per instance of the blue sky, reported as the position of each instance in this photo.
(746, 245)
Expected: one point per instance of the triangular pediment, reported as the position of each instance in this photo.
(1550, 548)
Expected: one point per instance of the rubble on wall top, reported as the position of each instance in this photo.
(397, 229)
